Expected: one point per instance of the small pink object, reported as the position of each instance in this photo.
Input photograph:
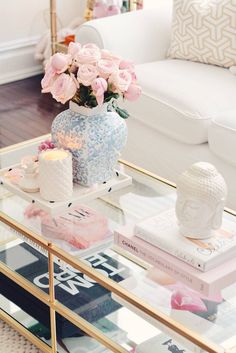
(100, 10)
(185, 299)
(113, 10)
(81, 227)
(33, 212)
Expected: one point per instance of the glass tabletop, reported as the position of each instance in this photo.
(210, 322)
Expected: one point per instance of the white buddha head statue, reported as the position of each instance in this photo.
(201, 195)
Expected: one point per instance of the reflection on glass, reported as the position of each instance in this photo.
(26, 320)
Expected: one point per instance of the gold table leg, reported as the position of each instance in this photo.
(52, 302)
(53, 23)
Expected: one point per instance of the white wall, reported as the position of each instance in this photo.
(149, 3)
(22, 22)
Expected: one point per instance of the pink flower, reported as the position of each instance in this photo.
(126, 65)
(99, 10)
(185, 299)
(133, 92)
(86, 74)
(75, 80)
(129, 66)
(89, 55)
(106, 54)
(48, 79)
(113, 10)
(45, 145)
(91, 46)
(64, 88)
(73, 69)
(120, 80)
(99, 86)
(106, 67)
(73, 49)
(60, 62)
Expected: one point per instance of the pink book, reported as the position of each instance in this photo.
(207, 283)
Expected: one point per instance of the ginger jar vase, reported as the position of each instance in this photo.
(95, 137)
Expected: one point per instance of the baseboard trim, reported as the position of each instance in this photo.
(21, 74)
(17, 60)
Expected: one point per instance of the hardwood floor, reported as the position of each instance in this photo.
(25, 112)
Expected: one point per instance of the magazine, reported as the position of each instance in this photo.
(72, 288)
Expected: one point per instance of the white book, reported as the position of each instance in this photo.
(162, 231)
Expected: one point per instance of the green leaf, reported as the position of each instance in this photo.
(122, 113)
(109, 95)
(83, 94)
(91, 100)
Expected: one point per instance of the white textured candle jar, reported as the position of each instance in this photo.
(55, 175)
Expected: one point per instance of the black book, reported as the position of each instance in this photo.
(72, 288)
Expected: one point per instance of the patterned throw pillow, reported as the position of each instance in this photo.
(204, 31)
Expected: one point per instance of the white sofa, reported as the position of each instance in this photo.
(187, 111)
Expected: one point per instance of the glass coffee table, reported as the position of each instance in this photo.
(59, 299)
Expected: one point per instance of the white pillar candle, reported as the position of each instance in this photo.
(55, 175)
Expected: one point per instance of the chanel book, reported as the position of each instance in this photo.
(207, 283)
(162, 231)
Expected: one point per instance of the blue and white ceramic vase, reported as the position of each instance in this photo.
(95, 138)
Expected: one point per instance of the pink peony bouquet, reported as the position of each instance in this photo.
(90, 76)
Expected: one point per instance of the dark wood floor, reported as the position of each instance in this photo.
(25, 112)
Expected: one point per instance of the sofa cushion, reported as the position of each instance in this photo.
(203, 31)
(222, 136)
(180, 97)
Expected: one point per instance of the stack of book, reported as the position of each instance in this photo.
(206, 266)
(186, 281)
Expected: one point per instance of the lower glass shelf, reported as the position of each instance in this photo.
(27, 321)
(116, 326)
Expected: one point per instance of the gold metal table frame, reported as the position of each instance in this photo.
(53, 251)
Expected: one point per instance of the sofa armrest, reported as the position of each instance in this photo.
(141, 36)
